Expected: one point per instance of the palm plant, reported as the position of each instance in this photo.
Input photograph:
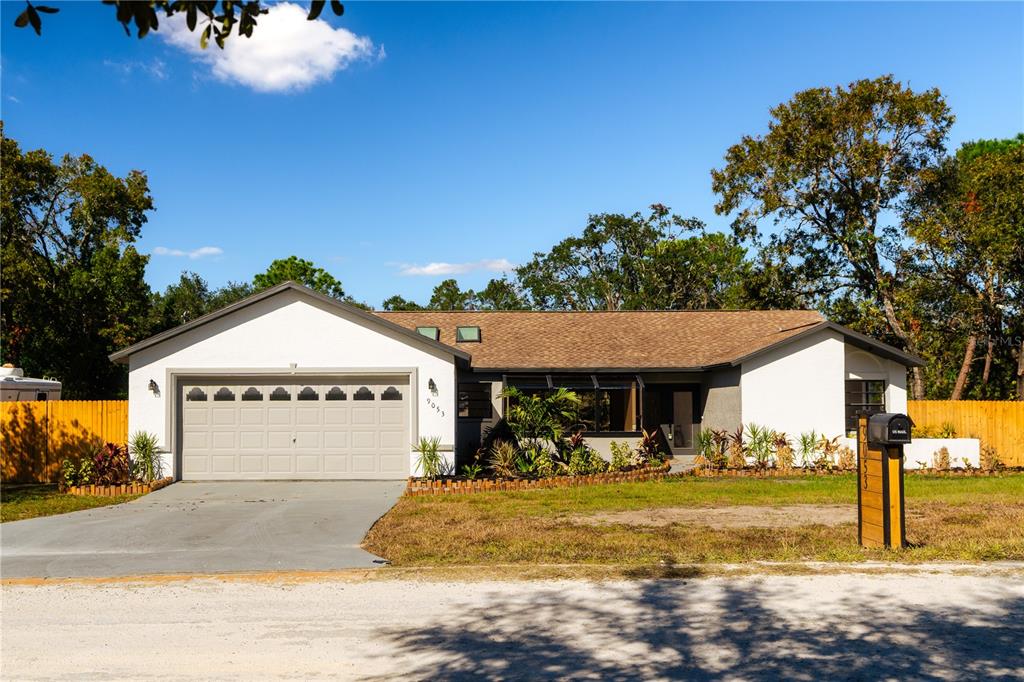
(808, 446)
(540, 418)
(759, 444)
(503, 459)
(430, 461)
(145, 451)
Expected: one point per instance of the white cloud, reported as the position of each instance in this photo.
(201, 252)
(155, 68)
(434, 269)
(286, 52)
(14, 99)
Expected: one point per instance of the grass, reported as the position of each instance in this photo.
(30, 501)
(963, 519)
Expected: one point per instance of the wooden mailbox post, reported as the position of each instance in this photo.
(881, 514)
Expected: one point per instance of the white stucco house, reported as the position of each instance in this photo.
(291, 384)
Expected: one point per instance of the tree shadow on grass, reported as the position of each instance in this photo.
(718, 630)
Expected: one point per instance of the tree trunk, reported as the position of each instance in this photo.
(1020, 371)
(916, 373)
(988, 361)
(965, 368)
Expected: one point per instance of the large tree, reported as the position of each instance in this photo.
(832, 174)
(302, 271)
(191, 297)
(967, 220)
(73, 288)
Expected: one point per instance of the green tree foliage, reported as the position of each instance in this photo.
(834, 167)
(73, 288)
(448, 296)
(302, 271)
(397, 302)
(217, 20)
(191, 297)
(967, 220)
(637, 262)
(500, 294)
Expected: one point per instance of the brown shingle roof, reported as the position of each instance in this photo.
(620, 340)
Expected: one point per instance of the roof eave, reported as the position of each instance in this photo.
(122, 355)
(850, 336)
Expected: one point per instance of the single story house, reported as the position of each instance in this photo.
(291, 384)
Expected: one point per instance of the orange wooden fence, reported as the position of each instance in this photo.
(999, 423)
(36, 436)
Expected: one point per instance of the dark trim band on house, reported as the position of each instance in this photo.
(608, 403)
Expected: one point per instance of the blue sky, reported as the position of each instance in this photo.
(465, 134)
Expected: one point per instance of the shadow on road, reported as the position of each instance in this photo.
(669, 629)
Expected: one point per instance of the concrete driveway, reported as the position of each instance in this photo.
(205, 528)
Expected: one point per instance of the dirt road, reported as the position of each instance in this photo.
(757, 627)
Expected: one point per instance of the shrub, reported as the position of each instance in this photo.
(584, 461)
(784, 456)
(622, 456)
(431, 462)
(737, 450)
(940, 460)
(503, 459)
(947, 430)
(705, 449)
(649, 447)
(847, 459)
(147, 463)
(111, 465)
(472, 471)
(828, 451)
(990, 460)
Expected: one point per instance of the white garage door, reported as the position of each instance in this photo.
(257, 428)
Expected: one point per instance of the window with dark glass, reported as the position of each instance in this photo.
(280, 393)
(224, 393)
(336, 393)
(391, 393)
(475, 401)
(252, 393)
(863, 395)
(363, 393)
(196, 394)
(607, 403)
(308, 393)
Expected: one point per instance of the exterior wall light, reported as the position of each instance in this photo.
(153, 387)
(432, 386)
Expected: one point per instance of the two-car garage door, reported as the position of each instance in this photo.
(276, 427)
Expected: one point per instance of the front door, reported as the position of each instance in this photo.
(682, 420)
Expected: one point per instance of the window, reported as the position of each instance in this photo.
(308, 393)
(252, 393)
(863, 395)
(41, 395)
(336, 394)
(607, 403)
(224, 393)
(467, 334)
(391, 393)
(363, 393)
(475, 401)
(280, 393)
(429, 332)
(195, 395)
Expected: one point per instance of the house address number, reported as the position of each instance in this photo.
(435, 407)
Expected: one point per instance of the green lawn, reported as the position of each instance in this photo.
(26, 502)
(947, 518)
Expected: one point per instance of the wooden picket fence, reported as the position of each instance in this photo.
(999, 423)
(36, 435)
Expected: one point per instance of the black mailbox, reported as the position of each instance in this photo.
(888, 428)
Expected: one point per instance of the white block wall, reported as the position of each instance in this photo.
(798, 387)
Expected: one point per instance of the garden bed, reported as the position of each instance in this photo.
(461, 486)
(753, 472)
(134, 488)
